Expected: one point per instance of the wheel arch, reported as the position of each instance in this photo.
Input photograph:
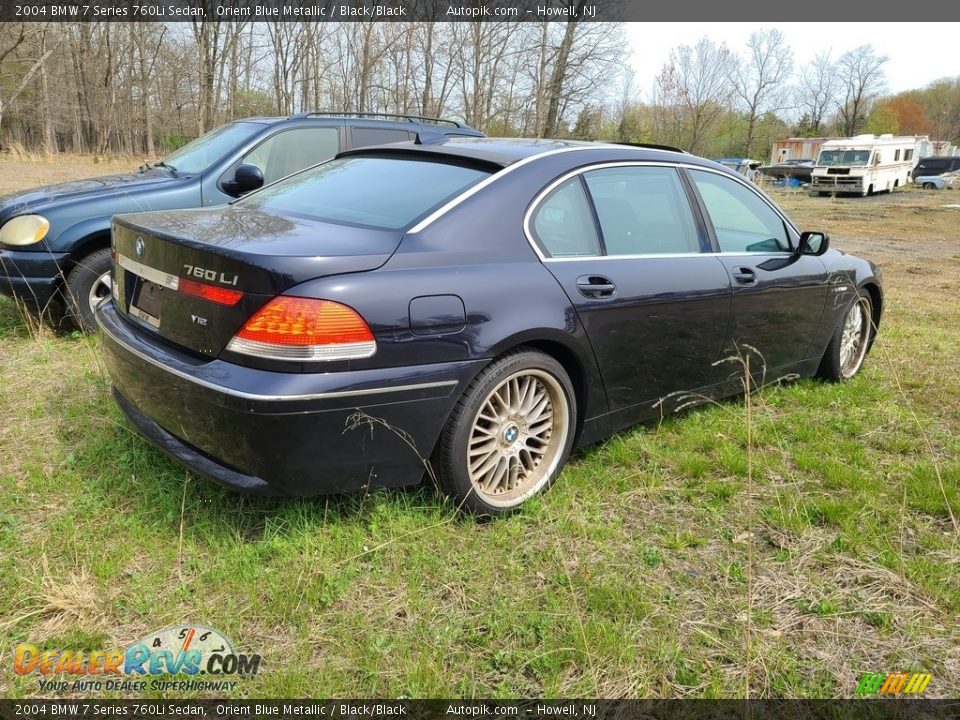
(876, 303)
(561, 347)
(81, 239)
(96, 240)
(571, 364)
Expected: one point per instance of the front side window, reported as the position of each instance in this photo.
(742, 221)
(386, 193)
(198, 155)
(563, 222)
(642, 211)
(290, 151)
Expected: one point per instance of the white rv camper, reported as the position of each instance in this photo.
(864, 164)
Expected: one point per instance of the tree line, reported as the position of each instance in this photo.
(145, 88)
(711, 100)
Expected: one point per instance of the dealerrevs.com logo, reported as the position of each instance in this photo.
(180, 657)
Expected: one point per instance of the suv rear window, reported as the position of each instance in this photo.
(386, 193)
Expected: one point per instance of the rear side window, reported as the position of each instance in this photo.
(742, 221)
(379, 136)
(642, 211)
(377, 192)
(563, 223)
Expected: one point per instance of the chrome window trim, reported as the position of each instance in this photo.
(473, 190)
(272, 398)
(647, 256)
(641, 163)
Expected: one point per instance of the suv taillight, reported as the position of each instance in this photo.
(295, 328)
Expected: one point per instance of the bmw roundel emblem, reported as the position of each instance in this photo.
(139, 246)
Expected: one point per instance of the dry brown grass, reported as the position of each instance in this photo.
(21, 171)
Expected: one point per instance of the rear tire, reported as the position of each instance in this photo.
(88, 284)
(928, 186)
(509, 435)
(850, 342)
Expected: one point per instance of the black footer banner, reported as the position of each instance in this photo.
(68, 709)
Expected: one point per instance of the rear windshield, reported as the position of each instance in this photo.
(387, 193)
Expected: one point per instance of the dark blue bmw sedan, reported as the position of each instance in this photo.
(481, 306)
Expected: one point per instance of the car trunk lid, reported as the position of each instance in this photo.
(194, 277)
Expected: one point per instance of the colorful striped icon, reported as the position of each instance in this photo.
(893, 683)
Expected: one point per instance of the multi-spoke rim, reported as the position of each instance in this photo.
(518, 437)
(100, 290)
(853, 338)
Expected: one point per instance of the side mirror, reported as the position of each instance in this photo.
(813, 243)
(245, 179)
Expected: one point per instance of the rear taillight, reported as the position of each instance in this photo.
(295, 328)
(209, 292)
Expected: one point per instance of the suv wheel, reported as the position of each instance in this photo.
(88, 285)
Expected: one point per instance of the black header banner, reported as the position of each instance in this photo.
(890, 708)
(471, 10)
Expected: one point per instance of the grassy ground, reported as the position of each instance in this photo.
(673, 560)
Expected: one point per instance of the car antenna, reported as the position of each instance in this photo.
(430, 137)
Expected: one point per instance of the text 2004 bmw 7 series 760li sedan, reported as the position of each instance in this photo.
(487, 304)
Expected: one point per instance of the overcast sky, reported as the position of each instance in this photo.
(919, 52)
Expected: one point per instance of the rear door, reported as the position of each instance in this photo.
(778, 295)
(624, 243)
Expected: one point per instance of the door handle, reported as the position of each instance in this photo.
(596, 287)
(744, 276)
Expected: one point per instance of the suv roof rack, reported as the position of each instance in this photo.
(404, 116)
(653, 146)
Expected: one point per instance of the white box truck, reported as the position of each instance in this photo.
(864, 164)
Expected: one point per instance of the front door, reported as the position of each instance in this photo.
(778, 295)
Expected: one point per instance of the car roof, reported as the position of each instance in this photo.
(506, 151)
(447, 127)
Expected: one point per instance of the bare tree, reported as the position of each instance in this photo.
(148, 40)
(816, 92)
(145, 87)
(17, 39)
(760, 80)
(861, 76)
(288, 57)
(696, 82)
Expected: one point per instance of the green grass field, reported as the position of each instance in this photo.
(707, 556)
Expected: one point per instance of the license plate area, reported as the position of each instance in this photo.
(144, 288)
(147, 302)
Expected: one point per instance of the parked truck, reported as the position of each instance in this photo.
(865, 164)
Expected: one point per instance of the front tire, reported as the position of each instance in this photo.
(88, 285)
(850, 341)
(509, 434)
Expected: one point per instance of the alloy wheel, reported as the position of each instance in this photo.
(853, 339)
(100, 290)
(518, 437)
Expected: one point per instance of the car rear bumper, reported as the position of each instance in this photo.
(30, 276)
(281, 433)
